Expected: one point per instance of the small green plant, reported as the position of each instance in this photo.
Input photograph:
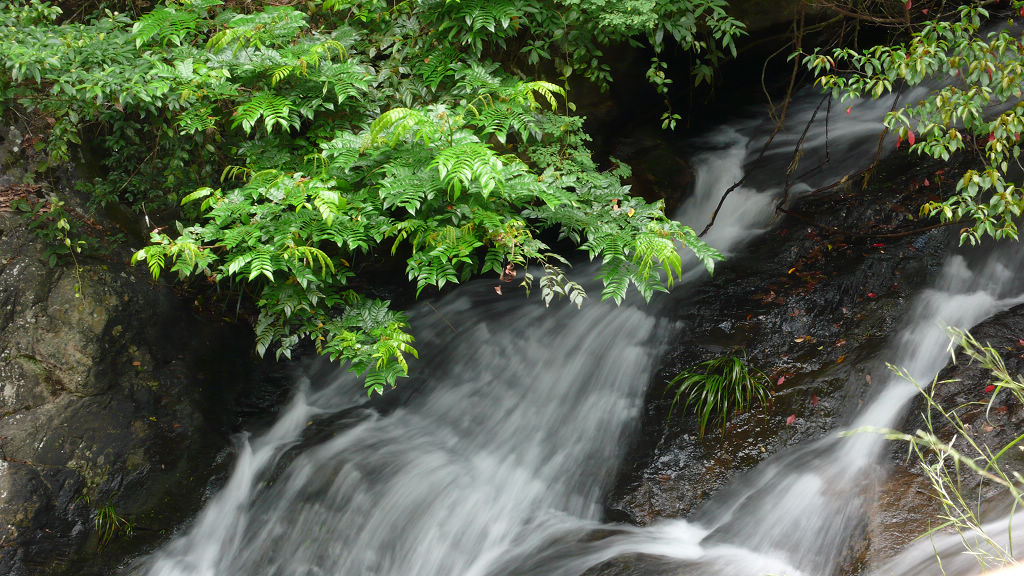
(717, 387)
(110, 524)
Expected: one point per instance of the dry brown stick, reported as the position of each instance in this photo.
(881, 140)
(798, 31)
(796, 154)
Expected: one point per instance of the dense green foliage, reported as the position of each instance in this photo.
(307, 142)
(718, 387)
(977, 110)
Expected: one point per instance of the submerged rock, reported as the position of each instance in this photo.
(115, 399)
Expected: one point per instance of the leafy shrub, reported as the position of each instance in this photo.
(718, 387)
(298, 145)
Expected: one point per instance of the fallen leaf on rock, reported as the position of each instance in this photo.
(990, 388)
(841, 358)
(781, 380)
(791, 419)
(872, 295)
(814, 400)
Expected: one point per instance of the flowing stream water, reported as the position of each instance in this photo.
(494, 458)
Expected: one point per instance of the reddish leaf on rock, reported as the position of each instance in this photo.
(791, 419)
(841, 358)
(926, 182)
(878, 245)
(781, 380)
(924, 11)
(498, 290)
(990, 388)
(872, 295)
(814, 400)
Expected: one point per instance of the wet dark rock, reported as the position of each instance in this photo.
(115, 399)
(818, 295)
(908, 507)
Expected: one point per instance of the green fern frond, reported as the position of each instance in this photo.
(274, 26)
(275, 111)
(197, 119)
(460, 165)
(476, 77)
(555, 283)
(348, 80)
(437, 65)
(167, 24)
(399, 124)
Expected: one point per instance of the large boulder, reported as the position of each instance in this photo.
(115, 399)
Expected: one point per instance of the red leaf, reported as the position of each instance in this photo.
(926, 182)
(899, 140)
(990, 388)
(872, 295)
(909, 4)
(924, 11)
(878, 245)
(848, 109)
(791, 419)
(910, 137)
(814, 400)
(991, 136)
(781, 380)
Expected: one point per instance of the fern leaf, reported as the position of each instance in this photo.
(460, 165)
(275, 111)
(167, 24)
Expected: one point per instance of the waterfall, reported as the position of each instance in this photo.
(493, 459)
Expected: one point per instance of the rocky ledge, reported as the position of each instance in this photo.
(116, 398)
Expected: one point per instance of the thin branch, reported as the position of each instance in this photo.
(797, 153)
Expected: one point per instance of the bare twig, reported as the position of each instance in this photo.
(438, 312)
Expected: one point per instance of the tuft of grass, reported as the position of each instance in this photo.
(718, 387)
(110, 524)
(963, 469)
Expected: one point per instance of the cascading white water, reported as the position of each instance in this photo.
(494, 458)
